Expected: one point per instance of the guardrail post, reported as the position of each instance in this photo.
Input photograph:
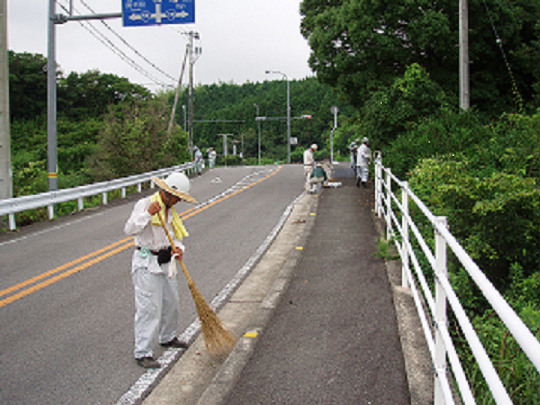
(123, 192)
(12, 224)
(388, 217)
(405, 235)
(51, 211)
(104, 198)
(441, 271)
(80, 202)
(139, 187)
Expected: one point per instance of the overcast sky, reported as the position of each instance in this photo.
(240, 40)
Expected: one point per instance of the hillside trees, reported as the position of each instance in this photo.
(27, 85)
(223, 103)
(359, 46)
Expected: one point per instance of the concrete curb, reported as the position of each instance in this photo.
(229, 373)
(411, 335)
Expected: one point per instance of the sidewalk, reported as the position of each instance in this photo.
(323, 329)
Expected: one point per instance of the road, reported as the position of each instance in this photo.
(66, 298)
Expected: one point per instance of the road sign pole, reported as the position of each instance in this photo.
(6, 181)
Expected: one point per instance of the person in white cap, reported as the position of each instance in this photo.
(211, 157)
(157, 302)
(198, 158)
(309, 164)
(362, 161)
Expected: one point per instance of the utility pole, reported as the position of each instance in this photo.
(464, 78)
(6, 181)
(259, 130)
(192, 35)
(334, 110)
(52, 20)
(173, 113)
(52, 164)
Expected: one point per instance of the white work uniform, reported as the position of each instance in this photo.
(309, 163)
(198, 161)
(157, 302)
(212, 158)
(362, 161)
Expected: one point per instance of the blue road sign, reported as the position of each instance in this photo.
(157, 12)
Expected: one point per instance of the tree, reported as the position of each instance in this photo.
(89, 94)
(27, 85)
(135, 139)
(360, 45)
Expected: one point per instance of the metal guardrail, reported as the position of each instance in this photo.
(434, 323)
(11, 206)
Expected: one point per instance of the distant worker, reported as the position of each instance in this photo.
(353, 148)
(317, 178)
(362, 161)
(198, 159)
(211, 157)
(309, 164)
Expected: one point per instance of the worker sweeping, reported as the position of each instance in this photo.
(157, 302)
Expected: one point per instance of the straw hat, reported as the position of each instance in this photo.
(176, 184)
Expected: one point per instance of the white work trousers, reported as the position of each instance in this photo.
(307, 174)
(363, 173)
(157, 306)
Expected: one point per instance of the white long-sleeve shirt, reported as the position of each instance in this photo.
(364, 155)
(147, 235)
(308, 158)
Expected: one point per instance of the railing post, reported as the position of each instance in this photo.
(405, 235)
(441, 271)
(378, 186)
(80, 202)
(388, 217)
(104, 198)
(123, 192)
(50, 208)
(12, 224)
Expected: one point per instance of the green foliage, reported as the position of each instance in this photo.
(449, 133)
(517, 372)
(231, 109)
(495, 217)
(409, 100)
(89, 94)
(135, 140)
(360, 46)
(27, 86)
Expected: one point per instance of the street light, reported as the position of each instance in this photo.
(259, 128)
(288, 114)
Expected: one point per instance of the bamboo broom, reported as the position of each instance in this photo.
(218, 340)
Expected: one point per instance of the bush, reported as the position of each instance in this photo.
(495, 217)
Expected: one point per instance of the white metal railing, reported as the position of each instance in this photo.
(434, 324)
(11, 206)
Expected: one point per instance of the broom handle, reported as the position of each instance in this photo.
(172, 244)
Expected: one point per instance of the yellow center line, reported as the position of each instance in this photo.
(64, 266)
(74, 270)
(126, 243)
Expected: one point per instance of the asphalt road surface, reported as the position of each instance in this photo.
(66, 297)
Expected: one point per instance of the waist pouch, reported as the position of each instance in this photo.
(164, 255)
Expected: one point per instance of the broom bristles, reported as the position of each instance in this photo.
(217, 339)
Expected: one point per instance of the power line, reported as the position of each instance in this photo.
(498, 40)
(109, 44)
(129, 46)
